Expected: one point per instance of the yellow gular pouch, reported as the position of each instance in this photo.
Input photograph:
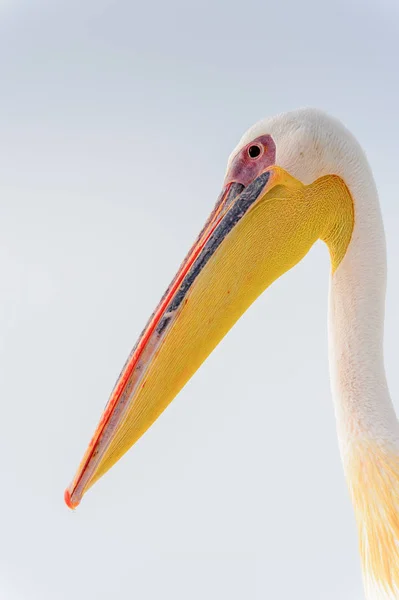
(273, 236)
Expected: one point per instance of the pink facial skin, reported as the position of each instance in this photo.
(244, 168)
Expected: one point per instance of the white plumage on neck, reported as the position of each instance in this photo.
(309, 145)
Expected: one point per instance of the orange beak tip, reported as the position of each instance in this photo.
(68, 500)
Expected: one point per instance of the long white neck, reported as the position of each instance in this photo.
(356, 325)
(368, 429)
(311, 144)
(367, 426)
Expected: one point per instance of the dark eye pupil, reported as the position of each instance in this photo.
(253, 151)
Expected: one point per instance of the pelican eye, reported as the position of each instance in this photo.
(254, 151)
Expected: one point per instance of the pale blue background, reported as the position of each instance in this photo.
(116, 121)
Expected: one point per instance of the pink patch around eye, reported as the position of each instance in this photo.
(246, 168)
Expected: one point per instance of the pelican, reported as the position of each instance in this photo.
(293, 179)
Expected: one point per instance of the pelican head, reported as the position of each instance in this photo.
(292, 180)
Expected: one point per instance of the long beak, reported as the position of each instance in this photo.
(252, 236)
